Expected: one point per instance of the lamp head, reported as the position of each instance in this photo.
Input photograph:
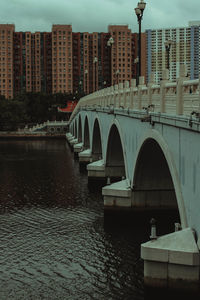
(141, 5)
(168, 43)
(137, 11)
(111, 40)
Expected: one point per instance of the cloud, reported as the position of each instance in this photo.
(96, 15)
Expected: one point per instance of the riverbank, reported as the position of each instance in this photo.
(28, 135)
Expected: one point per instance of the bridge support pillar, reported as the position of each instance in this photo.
(96, 171)
(85, 157)
(117, 195)
(172, 261)
(72, 142)
(77, 149)
(69, 136)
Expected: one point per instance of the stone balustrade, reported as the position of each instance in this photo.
(178, 98)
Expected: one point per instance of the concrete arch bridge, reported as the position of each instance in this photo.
(145, 141)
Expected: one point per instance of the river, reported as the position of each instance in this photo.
(55, 241)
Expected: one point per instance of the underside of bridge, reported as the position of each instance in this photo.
(115, 166)
(153, 186)
(79, 130)
(86, 144)
(96, 142)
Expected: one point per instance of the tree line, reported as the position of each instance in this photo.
(32, 108)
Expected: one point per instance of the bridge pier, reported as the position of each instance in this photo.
(69, 136)
(77, 149)
(96, 171)
(172, 261)
(117, 195)
(85, 158)
(72, 142)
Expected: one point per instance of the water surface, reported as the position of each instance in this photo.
(55, 242)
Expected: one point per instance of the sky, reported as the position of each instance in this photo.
(96, 15)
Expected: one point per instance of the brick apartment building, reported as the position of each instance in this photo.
(62, 61)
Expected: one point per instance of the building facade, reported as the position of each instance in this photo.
(62, 61)
(6, 60)
(184, 49)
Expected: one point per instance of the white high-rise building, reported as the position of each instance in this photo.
(179, 53)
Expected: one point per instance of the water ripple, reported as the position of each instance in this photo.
(53, 242)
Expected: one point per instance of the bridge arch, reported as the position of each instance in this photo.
(96, 141)
(86, 141)
(115, 154)
(155, 176)
(79, 129)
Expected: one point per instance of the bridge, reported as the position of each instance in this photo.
(49, 127)
(144, 142)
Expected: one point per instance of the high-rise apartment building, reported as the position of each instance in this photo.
(121, 59)
(179, 53)
(195, 49)
(47, 62)
(62, 64)
(65, 62)
(6, 60)
(32, 60)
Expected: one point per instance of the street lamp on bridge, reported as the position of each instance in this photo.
(117, 76)
(110, 42)
(168, 44)
(139, 10)
(86, 85)
(95, 73)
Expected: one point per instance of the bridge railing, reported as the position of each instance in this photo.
(180, 98)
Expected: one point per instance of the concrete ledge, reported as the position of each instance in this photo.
(78, 147)
(172, 261)
(118, 189)
(96, 169)
(69, 136)
(117, 195)
(116, 202)
(85, 156)
(73, 141)
(96, 165)
(178, 247)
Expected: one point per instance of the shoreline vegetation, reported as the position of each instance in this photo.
(34, 135)
(33, 108)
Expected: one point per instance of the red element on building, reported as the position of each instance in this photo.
(69, 108)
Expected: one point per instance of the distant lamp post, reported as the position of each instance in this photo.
(168, 44)
(110, 42)
(86, 85)
(95, 72)
(139, 10)
(136, 60)
(80, 86)
(117, 75)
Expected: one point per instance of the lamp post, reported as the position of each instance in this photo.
(117, 75)
(139, 10)
(86, 72)
(110, 42)
(168, 44)
(95, 72)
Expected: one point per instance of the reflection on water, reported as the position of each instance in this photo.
(54, 240)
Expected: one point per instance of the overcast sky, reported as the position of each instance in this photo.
(96, 15)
